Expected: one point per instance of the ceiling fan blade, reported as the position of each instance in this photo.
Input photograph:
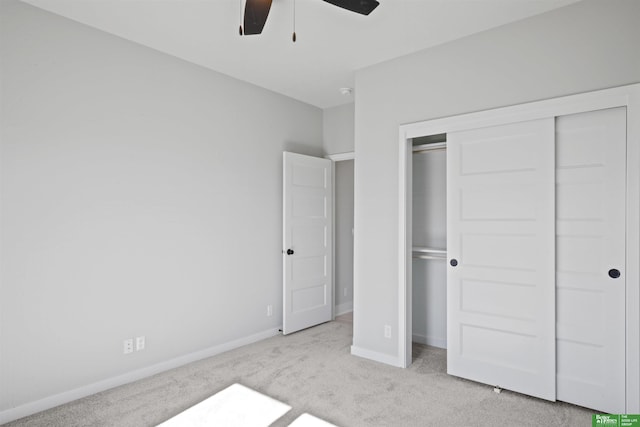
(363, 7)
(255, 15)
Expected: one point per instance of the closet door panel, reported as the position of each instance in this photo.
(500, 230)
(591, 147)
(483, 296)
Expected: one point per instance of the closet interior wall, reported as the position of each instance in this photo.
(343, 236)
(429, 305)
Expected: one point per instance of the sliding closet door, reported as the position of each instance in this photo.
(590, 228)
(501, 250)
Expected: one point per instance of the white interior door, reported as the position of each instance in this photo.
(590, 228)
(307, 244)
(501, 250)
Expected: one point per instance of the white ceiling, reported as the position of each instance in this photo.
(332, 43)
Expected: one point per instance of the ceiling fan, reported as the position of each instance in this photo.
(256, 12)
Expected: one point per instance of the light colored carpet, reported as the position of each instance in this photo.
(314, 372)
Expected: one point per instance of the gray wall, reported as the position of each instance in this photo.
(344, 236)
(141, 195)
(586, 46)
(338, 128)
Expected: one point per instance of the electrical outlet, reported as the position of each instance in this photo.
(345, 292)
(269, 310)
(387, 331)
(128, 346)
(140, 343)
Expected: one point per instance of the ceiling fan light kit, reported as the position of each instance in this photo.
(257, 11)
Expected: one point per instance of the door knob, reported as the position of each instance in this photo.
(614, 273)
(289, 251)
(453, 262)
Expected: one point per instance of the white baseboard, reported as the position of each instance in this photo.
(49, 402)
(429, 340)
(376, 356)
(347, 307)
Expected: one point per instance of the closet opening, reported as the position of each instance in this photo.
(422, 294)
(343, 232)
(343, 238)
(429, 236)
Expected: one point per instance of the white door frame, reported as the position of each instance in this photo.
(338, 157)
(624, 96)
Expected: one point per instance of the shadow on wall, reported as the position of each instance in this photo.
(296, 147)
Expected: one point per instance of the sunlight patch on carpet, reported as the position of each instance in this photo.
(234, 406)
(306, 420)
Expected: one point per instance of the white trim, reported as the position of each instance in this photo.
(429, 340)
(89, 389)
(338, 157)
(405, 252)
(572, 104)
(633, 252)
(624, 96)
(376, 357)
(344, 308)
(334, 309)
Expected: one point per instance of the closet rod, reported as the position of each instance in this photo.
(421, 252)
(428, 257)
(427, 250)
(430, 147)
